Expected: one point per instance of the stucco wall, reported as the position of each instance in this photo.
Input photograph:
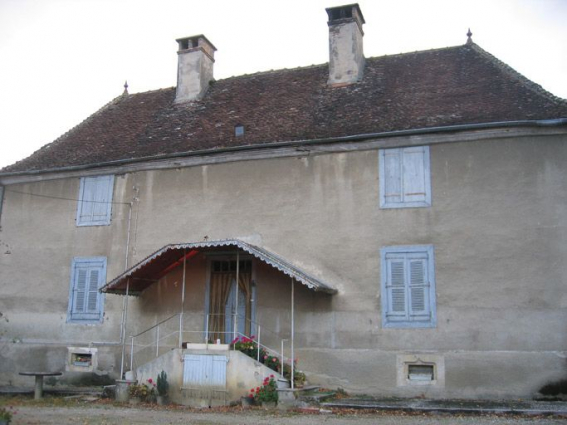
(497, 223)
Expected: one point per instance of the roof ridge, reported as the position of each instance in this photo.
(522, 79)
(273, 71)
(437, 49)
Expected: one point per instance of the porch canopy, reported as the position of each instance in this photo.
(151, 269)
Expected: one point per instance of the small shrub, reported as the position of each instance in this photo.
(162, 384)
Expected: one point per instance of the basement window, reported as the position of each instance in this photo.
(421, 372)
(239, 130)
(82, 360)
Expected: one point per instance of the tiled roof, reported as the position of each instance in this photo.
(442, 87)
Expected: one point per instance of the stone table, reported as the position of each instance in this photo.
(38, 393)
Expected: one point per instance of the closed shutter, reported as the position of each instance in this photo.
(95, 201)
(80, 291)
(103, 199)
(86, 200)
(86, 302)
(404, 177)
(418, 289)
(396, 289)
(1, 199)
(408, 286)
(92, 291)
(413, 174)
(392, 175)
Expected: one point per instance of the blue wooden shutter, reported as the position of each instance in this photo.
(408, 286)
(392, 175)
(92, 291)
(196, 370)
(86, 302)
(218, 372)
(396, 289)
(204, 371)
(95, 201)
(1, 199)
(413, 174)
(80, 291)
(86, 200)
(418, 288)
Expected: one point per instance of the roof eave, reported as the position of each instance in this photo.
(555, 122)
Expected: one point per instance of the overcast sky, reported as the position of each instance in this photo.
(61, 60)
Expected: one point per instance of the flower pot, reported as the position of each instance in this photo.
(161, 400)
(269, 404)
(121, 393)
(282, 383)
(135, 400)
(246, 401)
(4, 422)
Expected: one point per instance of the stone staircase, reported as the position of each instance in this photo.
(205, 375)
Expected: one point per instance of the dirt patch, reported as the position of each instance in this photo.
(91, 411)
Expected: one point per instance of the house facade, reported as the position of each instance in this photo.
(397, 223)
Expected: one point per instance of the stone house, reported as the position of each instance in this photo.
(395, 223)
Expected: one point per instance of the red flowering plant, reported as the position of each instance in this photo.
(272, 362)
(6, 414)
(247, 346)
(144, 391)
(267, 392)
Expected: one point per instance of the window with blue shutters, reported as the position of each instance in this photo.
(1, 199)
(405, 177)
(95, 201)
(408, 287)
(86, 303)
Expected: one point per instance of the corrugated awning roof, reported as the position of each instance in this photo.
(156, 265)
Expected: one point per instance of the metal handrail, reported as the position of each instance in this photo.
(206, 333)
(155, 326)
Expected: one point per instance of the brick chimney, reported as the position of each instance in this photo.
(346, 58)
(195, 59)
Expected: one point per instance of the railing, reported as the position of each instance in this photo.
(144, 346)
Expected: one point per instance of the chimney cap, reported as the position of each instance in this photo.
(191, 42)
(345, 13)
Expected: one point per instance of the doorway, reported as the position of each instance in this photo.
(229, 301)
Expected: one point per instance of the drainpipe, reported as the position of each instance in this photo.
(124, 318)
(235, 326)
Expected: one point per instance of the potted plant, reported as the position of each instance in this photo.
(267, 394)
(162, 388)
(5, 416)
(248, 400)
(140, 392)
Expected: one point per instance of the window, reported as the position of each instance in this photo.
(239, 130)
(95, 201)
(405, 177)
(86, 303)
(1, 199)
(408, 287)
(421, 372)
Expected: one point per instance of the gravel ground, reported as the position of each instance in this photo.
(112, 415)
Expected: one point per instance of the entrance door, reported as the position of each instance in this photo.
(239, 308)
(223, 292)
